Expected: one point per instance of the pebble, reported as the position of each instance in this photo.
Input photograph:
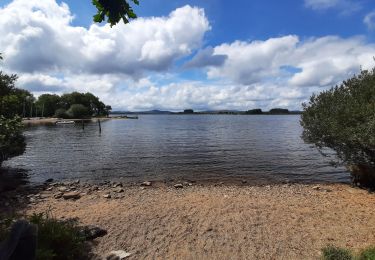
(146, 183)
(118, 255)
(63, 189)
(107, 196)
(178, 186)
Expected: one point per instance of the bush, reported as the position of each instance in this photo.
(56, 239)
(78, 111)
(343, 119)
(12, 142)
(61, 113)
(367, 254)
(336, 253)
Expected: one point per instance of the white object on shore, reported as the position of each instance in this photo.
(64, 122)
(118, 255)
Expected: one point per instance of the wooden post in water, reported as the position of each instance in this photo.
(83, 125)
(100, 127)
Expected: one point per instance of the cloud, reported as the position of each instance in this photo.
(345, 6)
(317, 62)
(205, 96)
(205, 58)
(129, 67)
(37, 36)
(369, 20)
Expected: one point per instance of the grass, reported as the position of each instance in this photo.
(56, 239)
(337, 253)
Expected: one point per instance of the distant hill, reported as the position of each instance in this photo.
(150, 112)
(274, 111)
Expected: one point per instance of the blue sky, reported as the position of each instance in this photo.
(199, 54)
(257, 19)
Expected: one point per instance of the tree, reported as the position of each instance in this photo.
(78, 111)
(256, 111)
(343, 119)
(12, 142)
(114, 11)
(47, 104)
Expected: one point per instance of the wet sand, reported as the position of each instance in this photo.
(289, 221)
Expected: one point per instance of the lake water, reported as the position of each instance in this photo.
(261, 149)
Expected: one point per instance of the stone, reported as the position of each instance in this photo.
(49, 180)
(49, 188)
(316, 188)
(71, 195)
(58, 195)
(178, 186)
(107, 196)
(119, 190)
(244, 181)
(118, 255)
(91, 232)
(146, 183)
(63, 189)
(118, 184)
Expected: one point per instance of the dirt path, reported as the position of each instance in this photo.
(224, 222)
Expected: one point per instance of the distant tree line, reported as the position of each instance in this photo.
(72, 105)
(20, 102)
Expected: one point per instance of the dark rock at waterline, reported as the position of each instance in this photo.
(91, 232)
(48, 180)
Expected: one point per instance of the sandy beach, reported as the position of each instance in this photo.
(289, 221)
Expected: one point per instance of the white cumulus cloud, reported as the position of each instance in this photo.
(321, 62)
(38, 36)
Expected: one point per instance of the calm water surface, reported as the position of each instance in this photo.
(261, 149)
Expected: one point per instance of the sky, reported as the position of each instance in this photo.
(204, 55)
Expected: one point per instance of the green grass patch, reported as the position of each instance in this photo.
(338, 253)
(56, 239)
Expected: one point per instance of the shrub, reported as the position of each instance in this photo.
(367, 254)
(343, 119)
(78, 111)
(12, 142)
(61, 113)
(336, 253)
(56, 239)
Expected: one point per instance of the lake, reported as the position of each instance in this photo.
(260, 149)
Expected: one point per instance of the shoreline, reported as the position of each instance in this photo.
(283, 221)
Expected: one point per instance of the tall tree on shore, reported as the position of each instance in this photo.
(12, 142)
(343, 119)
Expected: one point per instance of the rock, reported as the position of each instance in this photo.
(118, 184)
(178, 186)
(146, 183)
(49, 188)
(71, 195)
(244, 181)
(118, 255)
(316, 188)
(49, 180)
(107, 196)
(119, 190)
(91, 232)
(63, 189)
(58, 195)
